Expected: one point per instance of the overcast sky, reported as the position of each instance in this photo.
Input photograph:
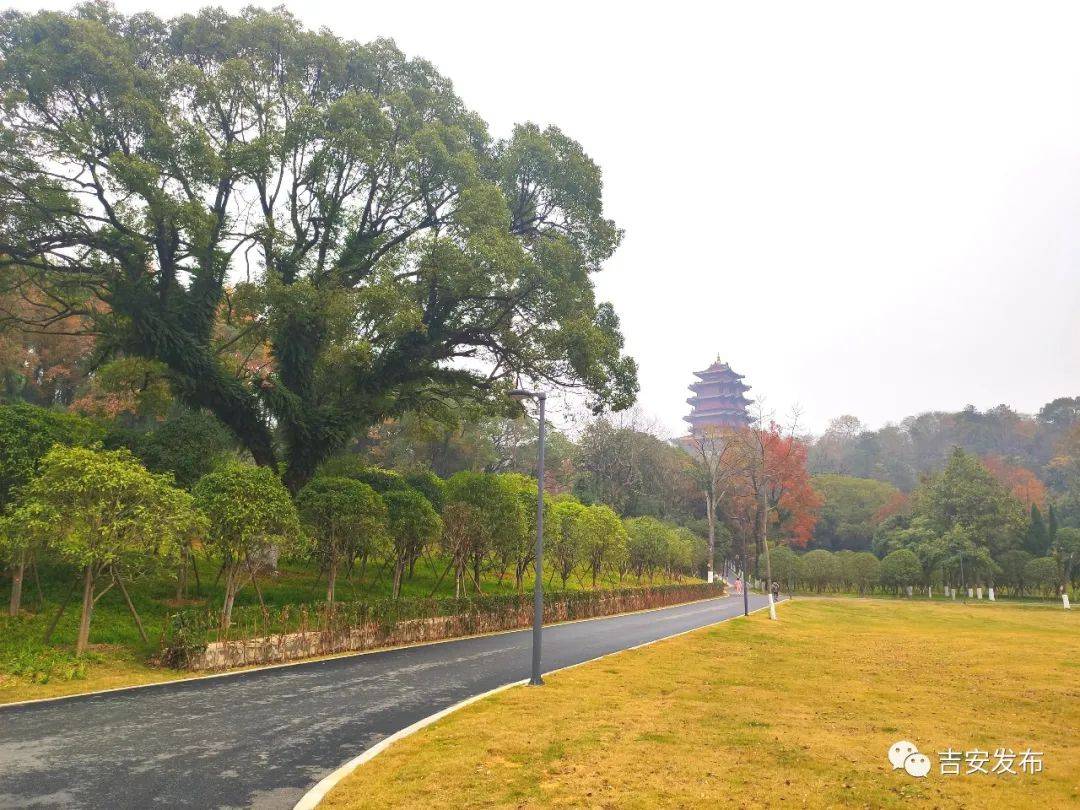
(865, 208)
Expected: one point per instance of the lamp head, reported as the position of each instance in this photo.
(520, 394)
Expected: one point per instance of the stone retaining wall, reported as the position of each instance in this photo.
(271, 649)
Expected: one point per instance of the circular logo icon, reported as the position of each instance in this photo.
(899, 751)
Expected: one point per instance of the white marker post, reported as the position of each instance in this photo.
(1065, 601)
(954, 594)
(929, 592)
(979, 589)
(971, 593)
(990, 594)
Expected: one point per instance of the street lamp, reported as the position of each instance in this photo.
(520, 395)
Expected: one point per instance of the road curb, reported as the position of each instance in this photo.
(314, 797)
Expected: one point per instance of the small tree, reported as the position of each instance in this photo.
(250, 512)
(1014, 569)
(901, 569)
(1042, 573)
(503, 514)
(413, 525)
(864, 571)
(786, 566)
(1067, 548)
(564, 550)
(108, 516)
(647, 545)
(27, 433)
(820, 569)
(681, 546)
(429, 485)
(346, 518)
(602, 537)
(463, 529)
(521, 548)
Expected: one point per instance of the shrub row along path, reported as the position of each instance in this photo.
(263, 738)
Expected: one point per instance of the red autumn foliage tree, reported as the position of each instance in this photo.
(771, 465)
(1020, 481)
(792, 500)
(900, 502)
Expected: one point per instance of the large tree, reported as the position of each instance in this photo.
(312, 234)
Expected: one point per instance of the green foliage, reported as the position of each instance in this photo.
(649, 546)
(900, 569)
(685, 551)
(965, 495)
(349, 465)
(27, 433)
(1042, 573)
(346, 518)
(862, 570)
(188, 445)
(249, 511)
(786, 566)
(501, 508)
(846, 518)
(601, 537)
(252, 520)
(820, 569)
(413, 526)
(388, 619)
(429, 485)
(521, 550)
(103, 509)
(104, 514)
(564, 550)
(1014, 569)
(632, 471)
(407, 237)
(1037, 541)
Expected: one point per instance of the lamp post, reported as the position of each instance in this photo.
(520, 395)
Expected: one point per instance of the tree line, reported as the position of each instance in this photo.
(109, 519)
(968, 525)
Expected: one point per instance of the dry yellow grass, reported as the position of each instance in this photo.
(798, 713)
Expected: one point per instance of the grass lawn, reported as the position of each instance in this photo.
(31, 669)
(752, 713)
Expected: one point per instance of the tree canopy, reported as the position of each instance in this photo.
(311, 234)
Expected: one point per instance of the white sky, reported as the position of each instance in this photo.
(865, 208)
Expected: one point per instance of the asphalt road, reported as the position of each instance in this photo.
(262, 739)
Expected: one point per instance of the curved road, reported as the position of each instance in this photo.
(263, 738)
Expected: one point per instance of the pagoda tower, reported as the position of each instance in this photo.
(718, 399)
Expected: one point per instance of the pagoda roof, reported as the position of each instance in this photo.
(718, 368)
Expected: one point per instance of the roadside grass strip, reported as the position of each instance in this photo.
(752, 713)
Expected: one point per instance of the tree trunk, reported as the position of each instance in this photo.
(181, 574)
(131, 607)
(18, 570)
(195, 568)
(87, 611)
(331, 578)
(399, 570)
(232, 578)
(63, 606)
(710, 513)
